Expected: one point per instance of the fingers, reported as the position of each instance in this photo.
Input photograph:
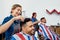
(19, 18)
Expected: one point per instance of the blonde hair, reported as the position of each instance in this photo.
(15, 6)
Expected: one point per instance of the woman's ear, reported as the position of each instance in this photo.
(12, 11)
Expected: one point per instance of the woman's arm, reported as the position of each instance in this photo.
(5, 26)
(36, 22)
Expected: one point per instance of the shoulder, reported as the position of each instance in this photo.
(16, 36)
(6, 19)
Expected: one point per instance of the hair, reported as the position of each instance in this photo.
(25, 21)
(33, 14)
(42, 18)
(15, 6)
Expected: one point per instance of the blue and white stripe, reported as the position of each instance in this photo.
(45, 34)
(27, 37)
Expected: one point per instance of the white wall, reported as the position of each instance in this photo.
(30, 6)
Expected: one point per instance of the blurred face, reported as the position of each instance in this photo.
(29, 28)
(51, 28)
(43, 20)
(35, 15)
(17, 11)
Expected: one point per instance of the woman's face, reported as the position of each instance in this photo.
(35, 15)
(17, 11)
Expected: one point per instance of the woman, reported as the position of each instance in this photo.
(15, 26)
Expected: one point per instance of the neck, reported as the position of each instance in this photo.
(25, 32)
(43, 23)
(33, 17)
(12, 14)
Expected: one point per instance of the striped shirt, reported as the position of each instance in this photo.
(22, 36)
(44, 30)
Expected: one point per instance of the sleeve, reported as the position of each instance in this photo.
(32, 20)
(5, 20)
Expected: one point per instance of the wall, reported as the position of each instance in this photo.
(30, 6)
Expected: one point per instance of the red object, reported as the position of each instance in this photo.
(54, 10)
(21, 36)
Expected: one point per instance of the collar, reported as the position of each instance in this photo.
(11, 16)
(25, 34)
(42, 23)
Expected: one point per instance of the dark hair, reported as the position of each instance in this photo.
(25, 20)
(33, 14)
(15, 6)
(42, 18)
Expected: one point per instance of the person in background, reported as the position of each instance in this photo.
(45, 31)
(34, 19)
(54, 33)
(27, 32)
(35, 22)
(15, 26)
